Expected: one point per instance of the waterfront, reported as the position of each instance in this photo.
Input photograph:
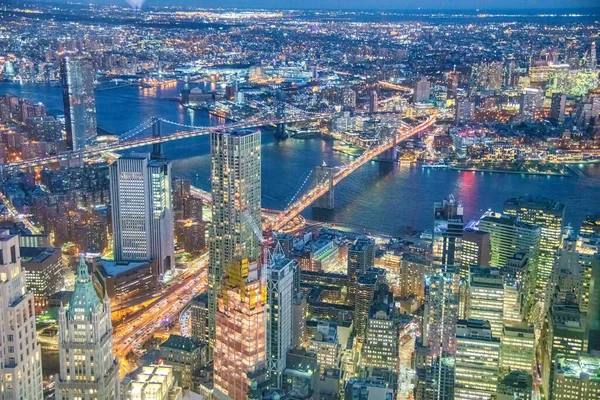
(377, 197)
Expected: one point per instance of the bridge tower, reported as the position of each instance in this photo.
(390, 155)
(157, 151)
(324, 175)
(280, 113)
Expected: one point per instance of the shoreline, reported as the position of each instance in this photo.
(501, 171)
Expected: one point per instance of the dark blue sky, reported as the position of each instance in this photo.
(372, 4)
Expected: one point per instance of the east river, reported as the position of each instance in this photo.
(376, 198)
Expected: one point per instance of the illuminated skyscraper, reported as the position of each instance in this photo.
(557, 107)
(142, 213)
(382, 333)
(366, 286)
(465, 110)
(21, 366)
(236, 188)
(282, 273)
(593, 57)
(477, 361)
(361, 257)
(422, 91)
(77, 76)
(475, 250)
(517, 350)
(88, 367)
(486, 298)
(441, 296)
(548, 215)
(531, 101)
(240, 351)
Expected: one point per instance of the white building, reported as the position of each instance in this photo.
(21, 366)
(142, 211)
(88, 368)
(281, 274)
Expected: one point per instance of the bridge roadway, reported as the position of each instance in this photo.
(309, 197)
(94, 151)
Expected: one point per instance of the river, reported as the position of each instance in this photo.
(376, 198)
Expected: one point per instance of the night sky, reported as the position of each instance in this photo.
(372, 4)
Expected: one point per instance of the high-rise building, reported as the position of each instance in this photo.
(486, 298)
(185, 355)
(43, 272)
(373, 104)
(366, 285)
(548, 215)
(282, 273)
(516, 288)
(21, 367)
(557, 107)
(142, 212)
(477, 360)
(240, 345)
(361, 257)
(576, 379)
(85, 344)
(508, 237)
(199, 317)
(442, 297)
(465, 110)
(452, 86)
(326, 346)
(382, 333)
(593, 57)
(531, 101)
(517, 350)
(476, 250)
(77, 76)
(517, 385)
(236, 190)
(422, 91)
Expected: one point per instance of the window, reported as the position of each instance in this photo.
(13, 254)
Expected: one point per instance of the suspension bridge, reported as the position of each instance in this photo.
(131, 139)
(329, 177)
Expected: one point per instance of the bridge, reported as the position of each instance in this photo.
(329, 177)
(128, 140)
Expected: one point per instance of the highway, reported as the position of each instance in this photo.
(309, 197)
(131, 336)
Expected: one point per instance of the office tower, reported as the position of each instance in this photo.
(239, 350)
(442, 297)
(517, 385)
(299, 310)
(509, 236)
(349, 99)
(365, 289)
(361, 257)
(557, 107)
(593, 57)
(516, 287)
(77, 77)
(281, 274)
(142, 213)
(517, 349)
(326, 346)
(373, 104)
(576, 379)
(486, 298)
(43, 268)
(21, 366)
(477, 360)
(476, 250)
(199, 317)
(85, 344)
(382, 333)
(236, 188)
(413, 270)
(548, 215)
(422, 91)
(564, 335)
(510, 66)
(531, 101)
(465, 110)
(452, 89)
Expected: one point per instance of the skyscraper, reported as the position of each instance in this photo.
(77, 76)
(557, 107)
(373, 104)
(452, 86)
(548, 215)
(476, 250)
(21, 367)
(517, 350)
(486, 298)
(361, 257)
(236, 188)
(142, 212)
(382, 332)
(477, 360)
(240, 348)
(531, 101)
(422, 91)
(465, 110)
(85, 345)
(281, 274)
(441, 295)
(593, 57)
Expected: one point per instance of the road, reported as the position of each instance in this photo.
(19, 217)
(131, 336)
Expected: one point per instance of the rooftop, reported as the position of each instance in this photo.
(181, 343)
